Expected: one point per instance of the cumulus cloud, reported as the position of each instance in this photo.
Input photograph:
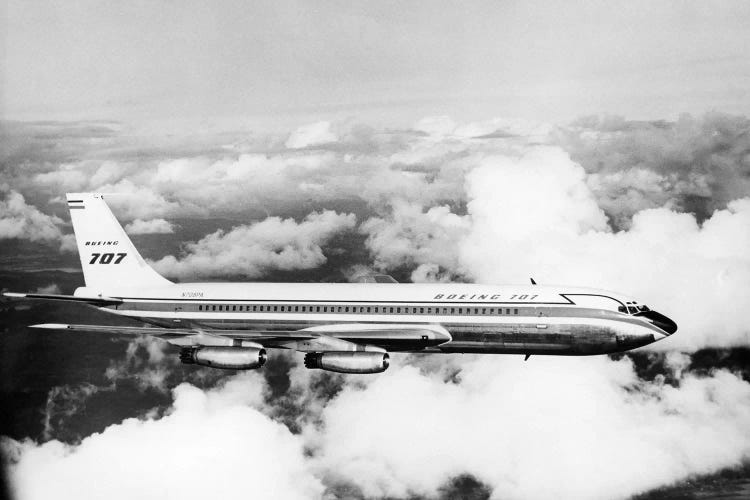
(272, 244)
(410, 236)
(68, 177)
(151, 226)
(535, 215)
(144, 362)
(522, 429)
(563, 428)
(19, 220)
(311, 135)
(695, 164)
(210, 443)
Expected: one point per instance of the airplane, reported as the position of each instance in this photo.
(341, 327)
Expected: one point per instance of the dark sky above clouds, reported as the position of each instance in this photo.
(604, 144)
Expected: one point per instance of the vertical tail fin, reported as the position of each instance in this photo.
(108, 257)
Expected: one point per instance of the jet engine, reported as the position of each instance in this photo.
(348, 361)
(230, 358)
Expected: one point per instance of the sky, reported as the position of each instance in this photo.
(186, 64)
(600, 144)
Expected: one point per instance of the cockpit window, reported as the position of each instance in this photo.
(633, 308)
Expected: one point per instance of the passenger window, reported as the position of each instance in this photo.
(255, 308)
(484, 311)
(376, 309)
(398, 310)
(421, 310)
(200, 308)
(476, 310)
(453, 310)
(346, 309)
(507, 311)
(515, 311)
(368, 309)
(391, 310)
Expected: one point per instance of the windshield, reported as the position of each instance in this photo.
(633, 308)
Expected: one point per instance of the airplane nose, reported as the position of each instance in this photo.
(660, 321)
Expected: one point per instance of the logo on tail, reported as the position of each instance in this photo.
(97, 231)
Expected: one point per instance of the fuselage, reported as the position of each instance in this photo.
(476, 318)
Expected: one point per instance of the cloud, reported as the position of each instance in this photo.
(67, 178)
(210, 443)
(311, 135)
(410, 236)
(696, 163)
(534, 215)
(522, 429)
(52, 288)
(19, 220)
(145, 362)
(526, 429)
(151, 226)
(272, 244)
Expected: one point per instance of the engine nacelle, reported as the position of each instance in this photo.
(348, 362)
(230, 358)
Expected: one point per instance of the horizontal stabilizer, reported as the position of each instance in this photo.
(127, 330)
(96, 301)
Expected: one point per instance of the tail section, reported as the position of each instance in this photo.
(108, 257)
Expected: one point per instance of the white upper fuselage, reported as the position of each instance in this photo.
(468, 293)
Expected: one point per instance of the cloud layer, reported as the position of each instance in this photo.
(569, 428)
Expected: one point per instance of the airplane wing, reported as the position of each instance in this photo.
(337, 337)
(95, 301)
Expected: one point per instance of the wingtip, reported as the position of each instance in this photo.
(14, 294)
(50, 326)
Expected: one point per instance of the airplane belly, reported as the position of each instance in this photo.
(541, 338)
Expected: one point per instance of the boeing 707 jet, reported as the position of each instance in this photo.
(341, 327)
